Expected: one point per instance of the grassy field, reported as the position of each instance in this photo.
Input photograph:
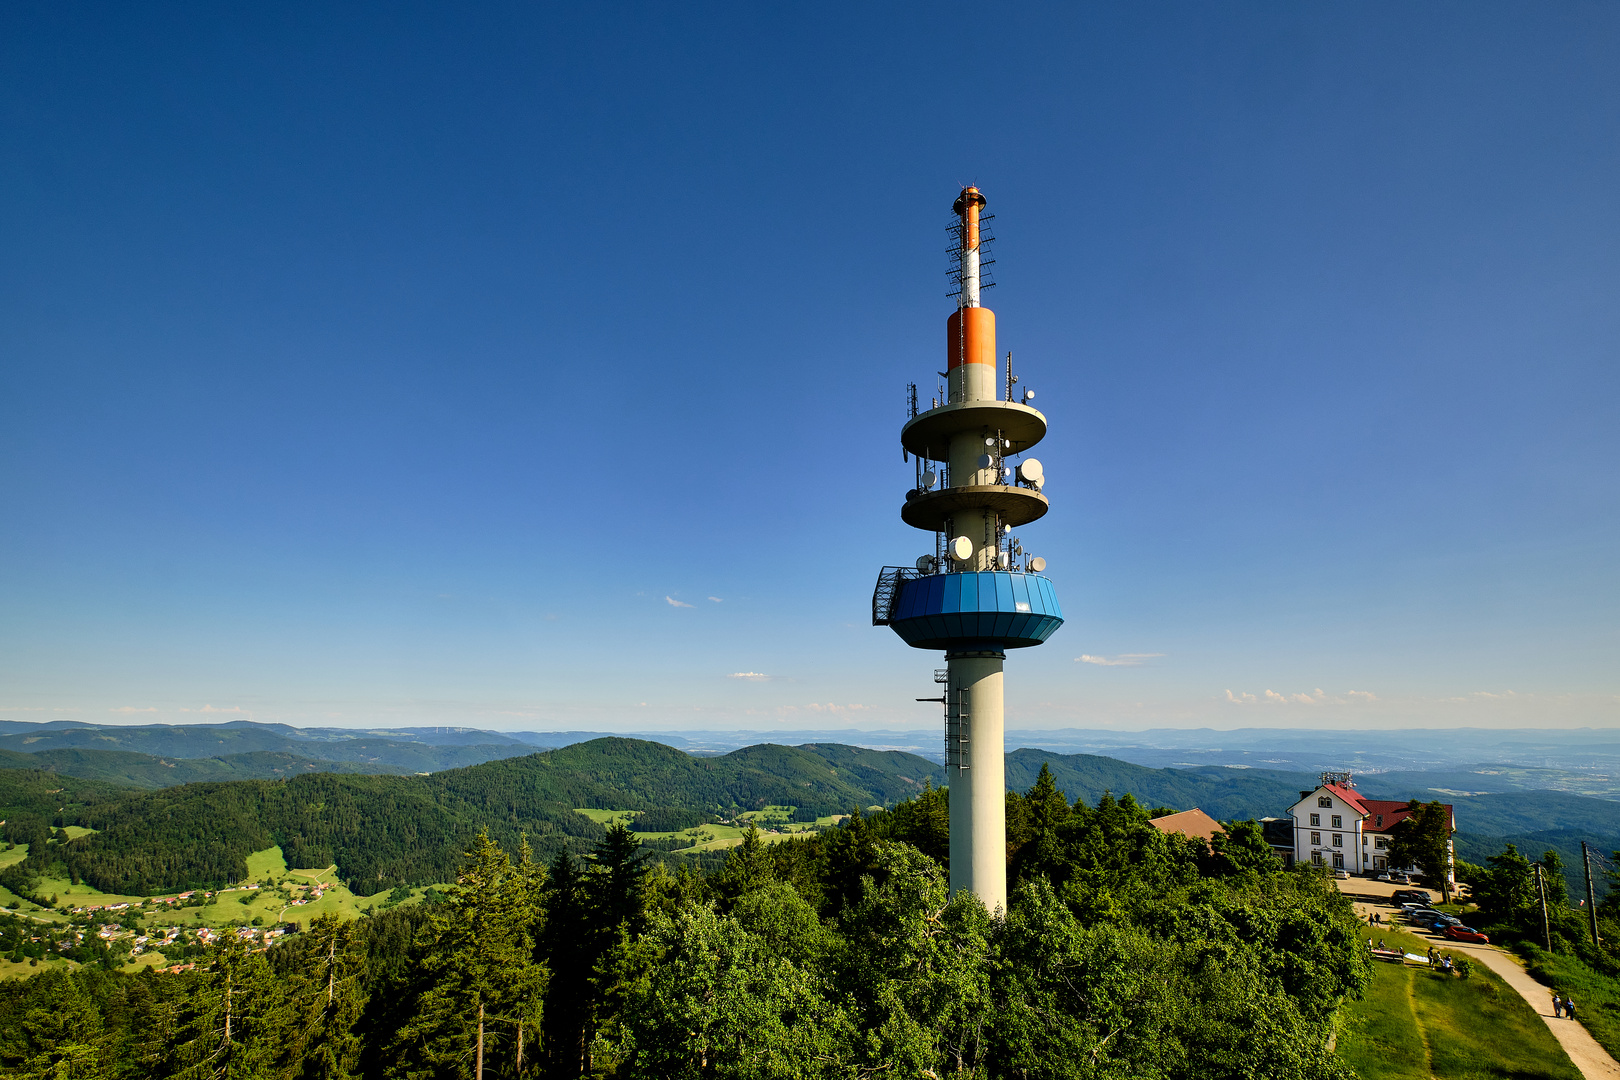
(714, 837)
(271, 902)
(1597, 996)
(1415, 1024)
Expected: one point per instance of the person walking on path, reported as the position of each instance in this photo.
(1558, 1005)
(1569, 1008)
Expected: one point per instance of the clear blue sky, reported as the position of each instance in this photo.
(533, 367)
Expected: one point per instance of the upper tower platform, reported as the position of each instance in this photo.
(979, 590)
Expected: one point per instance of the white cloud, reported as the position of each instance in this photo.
(1130, 659)
(716, 599)
(215, 709)
(1317, 696)
(672, 602)
(133, 709)
(751, 676)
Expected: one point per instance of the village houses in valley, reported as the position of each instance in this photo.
(1336, 826)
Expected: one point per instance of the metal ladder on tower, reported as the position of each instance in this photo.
(958, 727)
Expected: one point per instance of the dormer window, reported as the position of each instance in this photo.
(1380, 821)
(1323, 800)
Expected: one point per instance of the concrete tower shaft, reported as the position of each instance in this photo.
(976, 773)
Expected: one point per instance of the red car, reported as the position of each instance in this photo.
(1463, 933)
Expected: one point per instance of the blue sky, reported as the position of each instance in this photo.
(535, 367)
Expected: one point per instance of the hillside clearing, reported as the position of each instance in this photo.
(1415, 1023)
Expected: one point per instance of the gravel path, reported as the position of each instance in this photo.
(1585, 1051)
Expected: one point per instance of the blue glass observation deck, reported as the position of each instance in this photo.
(984, 610)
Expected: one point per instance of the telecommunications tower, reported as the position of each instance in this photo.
(979, 593)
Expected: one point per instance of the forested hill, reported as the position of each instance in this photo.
(162, 755)
(1222, 793)
(384, 830)
(388, 830)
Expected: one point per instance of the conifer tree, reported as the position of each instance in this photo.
(330, 1000)
(479, 973)
(236, 1025)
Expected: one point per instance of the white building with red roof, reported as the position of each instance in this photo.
(1337, 826)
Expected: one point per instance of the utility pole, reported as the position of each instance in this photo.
(1591, 907)
(1541, 887)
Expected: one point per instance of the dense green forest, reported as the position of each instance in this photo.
(386, 831)
(1125, 953)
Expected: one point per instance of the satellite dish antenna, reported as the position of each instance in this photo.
(1006, 471)
(1037, 564)
(985, 461)
(961, 549)
(1001, 560)
(990, 442)
(928, 479)
(925, 563)
(1029, 395)
(1030, 469)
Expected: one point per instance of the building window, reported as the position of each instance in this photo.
(1381, 842)
(1323, 800)
(1363, 840)
(1316, 838)
(1316, 857)
(1338, 860)
(1380, 821)
(1316, 819)
(1338, 821)
(1338, 840)
(1364, 860)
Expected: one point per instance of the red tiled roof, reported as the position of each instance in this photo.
(1349, 796)
(1394, 813)
(1192, 822)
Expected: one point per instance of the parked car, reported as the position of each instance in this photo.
(1402, 895)
(1465, 933)
(1424, 917)
(1342, 875)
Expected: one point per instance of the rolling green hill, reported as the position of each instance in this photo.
(125, 767)
(387, 830)
(240, 749)
(391, 830)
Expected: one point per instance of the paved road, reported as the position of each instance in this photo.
(1588, 1056)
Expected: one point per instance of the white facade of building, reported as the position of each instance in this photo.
(1334, 826)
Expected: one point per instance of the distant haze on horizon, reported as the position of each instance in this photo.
(542, 369)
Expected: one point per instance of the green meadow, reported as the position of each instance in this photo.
(717, 837)
(268, 896)
(1417, 1024)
